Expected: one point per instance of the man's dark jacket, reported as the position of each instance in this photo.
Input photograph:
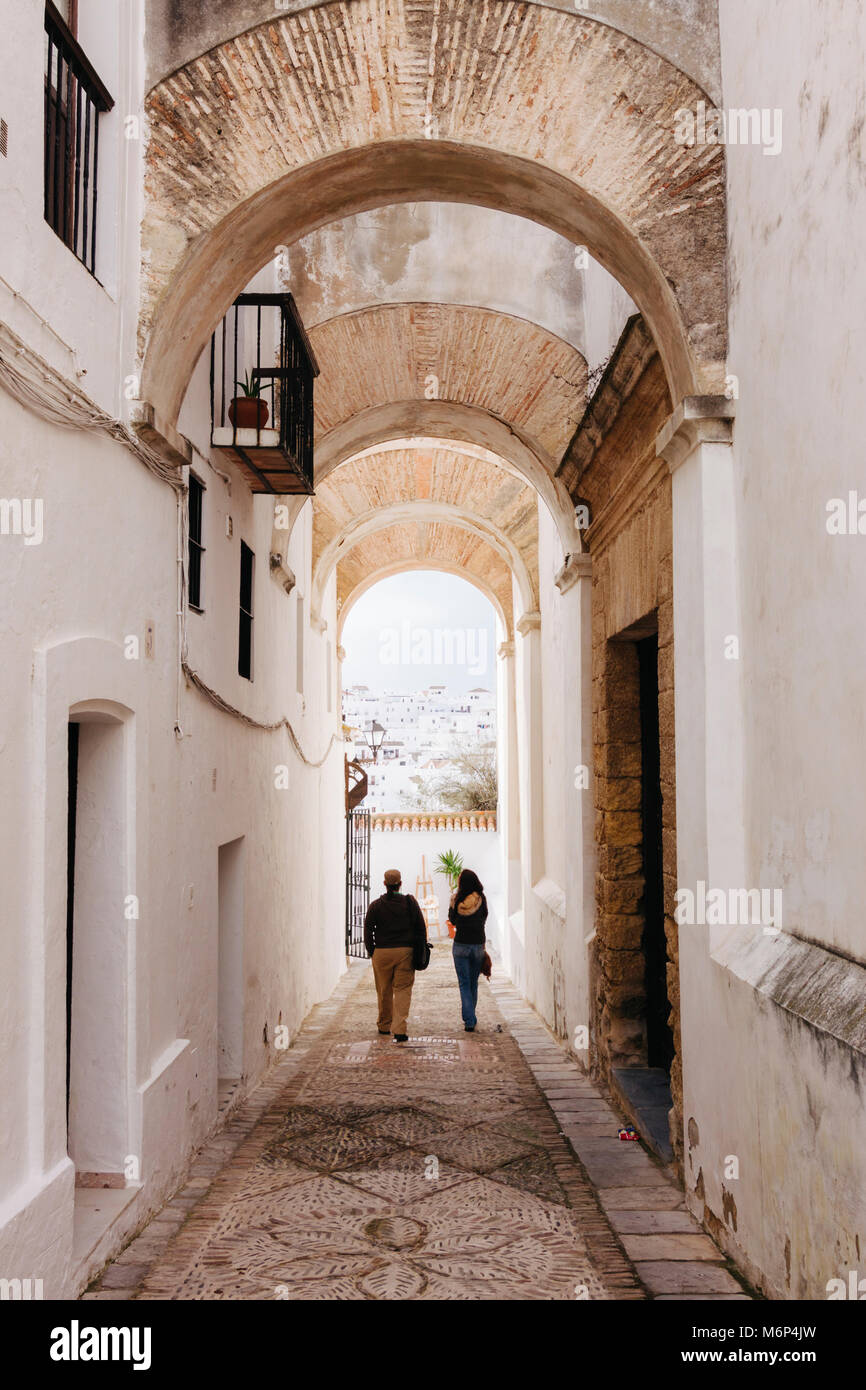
(395, 919)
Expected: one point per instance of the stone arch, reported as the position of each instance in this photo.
(679, 32)
(312, 116)
(452, 422)
(504, 365)
(453, 545)
(442, 567)
(428, 483)
(425, 514)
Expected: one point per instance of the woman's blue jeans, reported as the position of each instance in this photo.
(467, 963)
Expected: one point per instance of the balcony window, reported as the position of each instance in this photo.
(262, 374)
(75, 98)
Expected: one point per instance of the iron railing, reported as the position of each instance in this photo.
(357, 880)
(261, 347)
(74, 100)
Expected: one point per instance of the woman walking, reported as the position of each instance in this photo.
(467, 915)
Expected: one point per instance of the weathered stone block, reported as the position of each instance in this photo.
(618, 793)
(621, 828)
(666, 668)
(619, 861)
(621, 932)
(612, 728)
(621, 760)
(622, 895)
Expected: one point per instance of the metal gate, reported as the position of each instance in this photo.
(357, 880)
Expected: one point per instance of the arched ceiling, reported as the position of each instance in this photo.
(443, 253)
(428, 485)
(310, 117)
(686, 32)
(506, 366)
(436, 545)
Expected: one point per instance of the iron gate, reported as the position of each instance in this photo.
(357, 880)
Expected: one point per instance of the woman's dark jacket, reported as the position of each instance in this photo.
(468, 918)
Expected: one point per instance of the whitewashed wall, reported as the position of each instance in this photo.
(105, 571)
(773, 1030)
(558, 899)
(403, 849)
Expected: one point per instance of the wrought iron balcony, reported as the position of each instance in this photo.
(262, 374)
(356, 785)
(74, 99)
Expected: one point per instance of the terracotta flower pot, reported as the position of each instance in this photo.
(248, 413)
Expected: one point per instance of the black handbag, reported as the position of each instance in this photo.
(421, 956)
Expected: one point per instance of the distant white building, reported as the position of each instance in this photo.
(420, 731)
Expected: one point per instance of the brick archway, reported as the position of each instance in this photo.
(446, 549)
(509, 368)
(446, 424)
(313, 116)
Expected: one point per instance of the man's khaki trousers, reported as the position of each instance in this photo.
(395, 976)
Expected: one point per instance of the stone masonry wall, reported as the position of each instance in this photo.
(631, 542)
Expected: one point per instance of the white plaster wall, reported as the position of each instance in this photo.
(607, 309)
(88, 313)
(90, 580)
(403, 850)
(798, 347)
(447, 253)
(779, 1085)
(105, 569)
(558, 909)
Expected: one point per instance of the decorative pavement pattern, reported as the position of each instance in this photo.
(457, 1166)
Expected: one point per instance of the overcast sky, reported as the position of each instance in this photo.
(418, 629)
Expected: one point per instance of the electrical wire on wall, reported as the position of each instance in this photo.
(41, 390)
(44, 392)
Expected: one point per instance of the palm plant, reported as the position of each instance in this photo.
(250, 386)
(451, 865)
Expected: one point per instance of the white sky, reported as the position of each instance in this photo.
(421, 628)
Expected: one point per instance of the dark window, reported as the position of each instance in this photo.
(245, 627)
(196, 549)
(74, 100)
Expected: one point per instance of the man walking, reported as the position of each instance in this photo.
(393, 926)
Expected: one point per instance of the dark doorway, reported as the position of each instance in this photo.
(660, 1042)
(72, 807)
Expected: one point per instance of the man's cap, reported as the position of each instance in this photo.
(393, 878)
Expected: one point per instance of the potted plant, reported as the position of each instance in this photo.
(248, 411)
(451, 865)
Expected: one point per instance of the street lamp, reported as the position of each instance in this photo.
(373, 737)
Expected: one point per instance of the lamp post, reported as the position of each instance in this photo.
(374, 737)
